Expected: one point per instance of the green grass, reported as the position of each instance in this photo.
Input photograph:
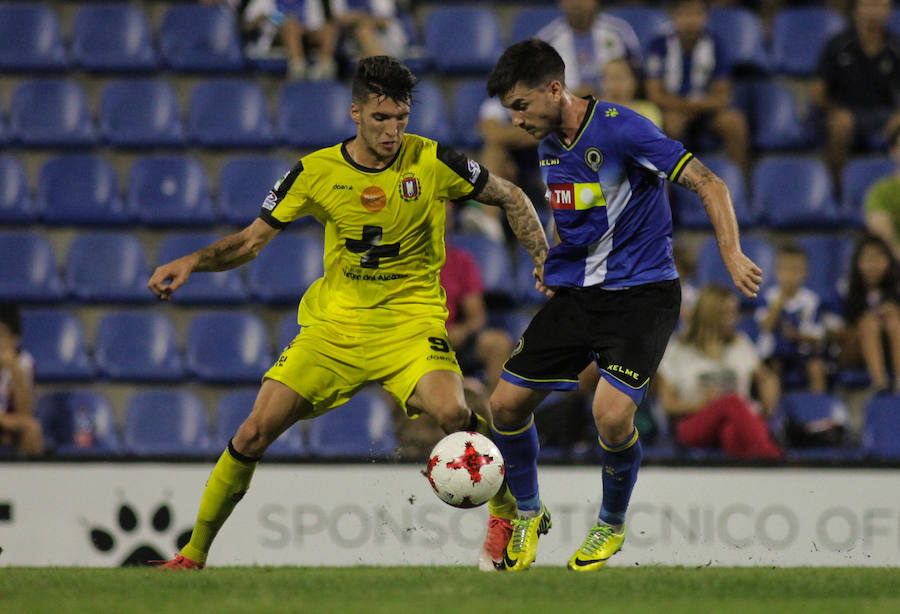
(658, 590)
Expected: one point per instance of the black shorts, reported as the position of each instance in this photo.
(624, 331)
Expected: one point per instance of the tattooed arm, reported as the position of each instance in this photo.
(226, 253)
(523, 220)
(717, 201)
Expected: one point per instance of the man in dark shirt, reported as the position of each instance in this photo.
(858, 84)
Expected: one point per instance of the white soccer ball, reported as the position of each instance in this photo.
(465, 469)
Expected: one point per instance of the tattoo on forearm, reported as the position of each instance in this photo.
(224, 254)
(521, 215)
(696, 176)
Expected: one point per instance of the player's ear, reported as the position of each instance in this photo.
(556, 89)
(355, 112)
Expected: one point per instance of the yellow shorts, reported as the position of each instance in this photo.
(327, 367)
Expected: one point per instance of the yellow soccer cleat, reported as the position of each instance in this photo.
(601, 543)
(522, 548)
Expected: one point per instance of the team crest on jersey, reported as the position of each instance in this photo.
(593, 157)
(409, 187)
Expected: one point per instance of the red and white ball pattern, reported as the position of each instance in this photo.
(465, 469)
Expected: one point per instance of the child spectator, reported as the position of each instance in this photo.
(791, 332)
(18, 427)
(705, 380)
(871, 313)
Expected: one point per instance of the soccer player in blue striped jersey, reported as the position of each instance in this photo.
(617, 296)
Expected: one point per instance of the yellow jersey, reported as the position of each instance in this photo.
(384, 230)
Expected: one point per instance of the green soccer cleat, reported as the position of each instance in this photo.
(601, 543)
(522, 548)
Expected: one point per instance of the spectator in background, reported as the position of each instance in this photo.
(792, 336)
(18, 427)
(688, 80)
(476, 346)
(371, 28)
(882, 203)
(858, 84)
(309, 23)
(705, 381)
(620, 85)
(871, 309)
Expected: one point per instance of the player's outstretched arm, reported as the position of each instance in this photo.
(523, 220)
(226, 253)
(716, 199)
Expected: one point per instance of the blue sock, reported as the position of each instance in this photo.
(620, 467)
(519, 447)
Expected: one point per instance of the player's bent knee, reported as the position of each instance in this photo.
(252, 439)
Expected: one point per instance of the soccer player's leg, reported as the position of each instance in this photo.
(276, 408)
(512, 409)
(620, 459)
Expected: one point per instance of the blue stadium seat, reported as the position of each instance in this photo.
(161, 422)
(798, 36)
(794, 192)
(228, 347)
(16, 206)
(824, 254)
(78, 423)
(493, 260)
(223, 287)
(199, 38)
(467, 100)
(137, 346)
(524, 280)
(778, 122)
(112, 37)
(80, 189)
(284, 270)
(815, 411)
(51, 113)
(689, 211)
(513, 321)
(711, 269)
(327, 101)
(857, 177)
(430, 117)
(894, 21)
(29, 268)
(244, 183)
(363, 427)
(234, 407)
(140, 113)
(229, 113)
(880, 427)
(742, 31)
(55, 339)
(528, 20)
(107, 267)
(647, 22)
(170, 191)
(30, 38)
(287, 329)
(462, 39)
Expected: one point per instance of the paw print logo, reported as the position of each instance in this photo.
(137, 543)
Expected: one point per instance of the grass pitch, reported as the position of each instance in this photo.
(427, 590)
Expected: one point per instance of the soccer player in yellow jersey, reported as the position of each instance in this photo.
(378, 313)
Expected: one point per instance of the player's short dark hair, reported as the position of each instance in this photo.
(12, 317)
(791, 249)
(532, 62)
(385, 76)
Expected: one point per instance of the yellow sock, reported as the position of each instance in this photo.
(503, 504)
(227, 484)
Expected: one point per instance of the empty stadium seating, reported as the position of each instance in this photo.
(137, 346)
(200, 38)
(80, 189)
(283, 271)
(493, 261)
(227, 347)
(798, 36)
(229, 113)
(362, 427)
(107, 267)
(16, 204)
(778, 118)
(50, 113)
(326, 101)
(166, 190)
(741, 32)
(223, 287)
(528, 20)
(467, 100)
(55, 338)
(114, 38)
(711, 269)
(30, 38)
(464, 39)
(244, 182)
(163, 422)
(140, 113)
(794, 192)
(430, 117)
(29, 268)
(646, 21)
(880, 428)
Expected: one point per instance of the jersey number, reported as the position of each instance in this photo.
(370, 247)
(438, 344)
